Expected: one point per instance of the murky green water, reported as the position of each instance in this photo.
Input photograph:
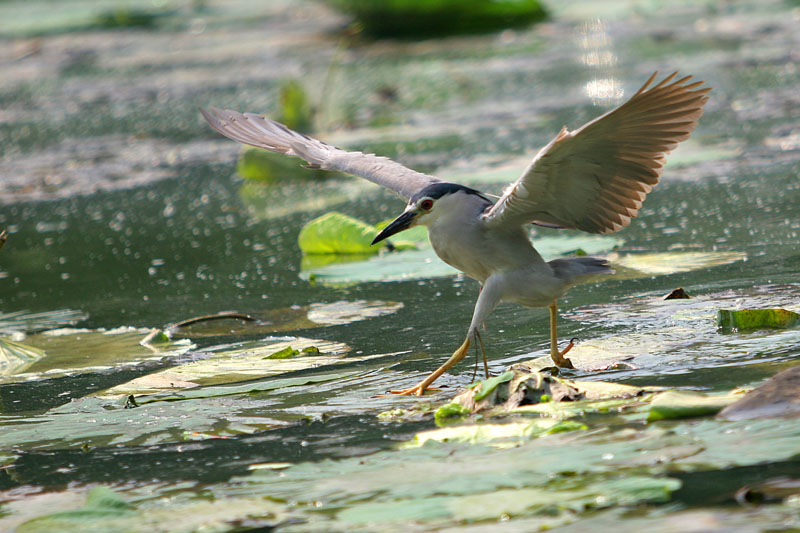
(121, 206)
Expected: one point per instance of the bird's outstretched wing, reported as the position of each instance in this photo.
(259, 131)
(595, 178)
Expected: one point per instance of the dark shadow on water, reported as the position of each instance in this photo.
(719, 487)
(209, 461)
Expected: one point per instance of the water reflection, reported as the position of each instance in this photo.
(597, 53)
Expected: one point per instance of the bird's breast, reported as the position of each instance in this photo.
(458, 254)
(479, 252)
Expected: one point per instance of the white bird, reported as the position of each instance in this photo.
(593, 179)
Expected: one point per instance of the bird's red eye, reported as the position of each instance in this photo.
(426, 204)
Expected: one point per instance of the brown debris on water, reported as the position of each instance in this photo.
(521, 386)
(678, 294)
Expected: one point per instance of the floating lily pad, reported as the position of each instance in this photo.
(551, 480)
(237, 362)
(684, 404)
(335, 233)
(496, 435)
(748, 319)
(234, 389)
(106, 510)
(338, 234)
(171, 416)
(383, 492)
(102, 505)
(15, 357)
(95, 422)
(69, 351)
(627, 408)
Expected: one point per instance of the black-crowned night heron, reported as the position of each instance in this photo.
(592, 179)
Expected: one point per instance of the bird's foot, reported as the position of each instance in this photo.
(418, 390)
(558, 356)
(425, 384)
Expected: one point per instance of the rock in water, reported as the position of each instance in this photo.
(780, 396)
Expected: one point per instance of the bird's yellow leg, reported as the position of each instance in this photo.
(457, 356)
(558, 357)
(483, 352)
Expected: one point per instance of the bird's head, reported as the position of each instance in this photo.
(429, 204)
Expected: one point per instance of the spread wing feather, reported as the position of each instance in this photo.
(596, 178)
(255, 130)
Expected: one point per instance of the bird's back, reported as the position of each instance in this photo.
(571, 269)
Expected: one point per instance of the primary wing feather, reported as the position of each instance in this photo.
(596, 178)
(255, 130)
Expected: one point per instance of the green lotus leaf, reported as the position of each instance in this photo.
(729, 320)
(685, 404)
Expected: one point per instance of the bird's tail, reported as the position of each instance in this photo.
(571, 268)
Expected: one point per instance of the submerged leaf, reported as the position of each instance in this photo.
(684, 404)
(729, 320)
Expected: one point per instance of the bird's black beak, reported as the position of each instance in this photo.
(397, 225)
